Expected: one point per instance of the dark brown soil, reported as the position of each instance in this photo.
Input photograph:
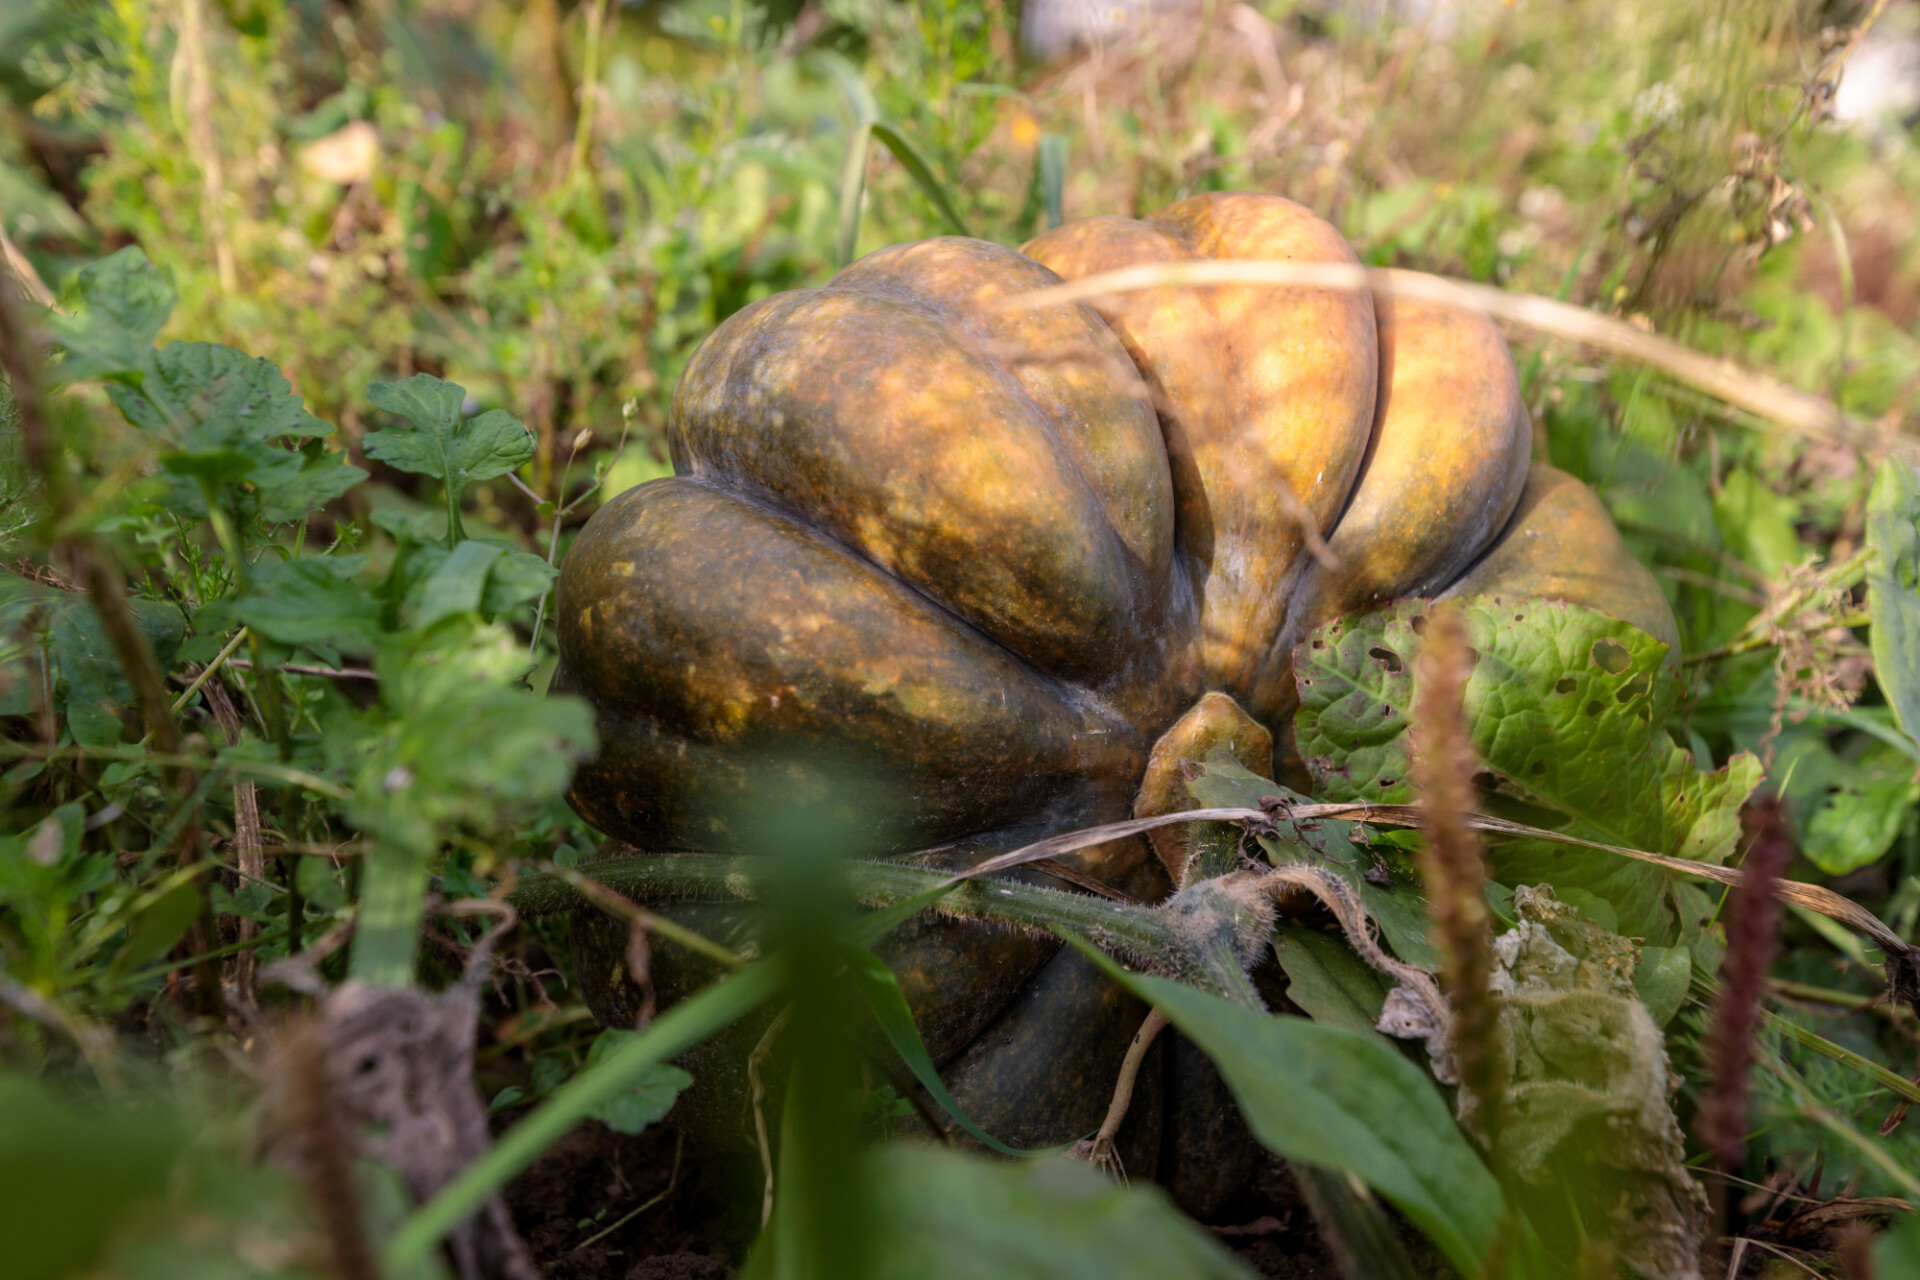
(590, 1179)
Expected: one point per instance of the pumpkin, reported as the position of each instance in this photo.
(992, 555)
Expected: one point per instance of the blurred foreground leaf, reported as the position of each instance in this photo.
(69, 1178)
(943, 1215)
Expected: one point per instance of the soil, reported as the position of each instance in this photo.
(590, 1179)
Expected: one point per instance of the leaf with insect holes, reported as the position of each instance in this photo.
(439, 443)
(1567, 710)
(121, 304)
(1893, 588)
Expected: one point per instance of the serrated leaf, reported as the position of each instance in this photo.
(201, 393)
(1893, 589)
(440, 445)
(463, 745)
(123, 303)
(1343, 1100)
(1567, 710)
(228, 415)
(312, 601)
(299, 483)
(945, 1215)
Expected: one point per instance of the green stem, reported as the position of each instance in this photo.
(386, 940)
(1135, 931)
(455, 530)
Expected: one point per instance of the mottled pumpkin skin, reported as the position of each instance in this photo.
(989, 557)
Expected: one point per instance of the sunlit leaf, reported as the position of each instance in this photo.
(1567, 710)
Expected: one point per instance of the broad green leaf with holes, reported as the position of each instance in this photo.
(1893, 588)
(1567, 710)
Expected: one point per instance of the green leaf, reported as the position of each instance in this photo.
(889, 1005)
(1758, 523)
(201, 393)
(647, 1100)
(1341, 1099)
(72, 1177)
(458, 582)
(1893, 588)
(85, 675)
(1897, 1253)
(297, 483)
(517, 577)
(1661, 980)
(1849, 812)
(439, 443)
(922, 173)
(123, 302)
(312, 601)
(1400, 910)
(1330, 982)
(229, 416)
(1567, 709)
(945, 1215)
(152, 932)
(416, 780)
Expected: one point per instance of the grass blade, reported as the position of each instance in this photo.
(853, 188)
(910, 158)
(889, 1005)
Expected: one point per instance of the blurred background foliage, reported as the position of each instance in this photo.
(550, 204)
